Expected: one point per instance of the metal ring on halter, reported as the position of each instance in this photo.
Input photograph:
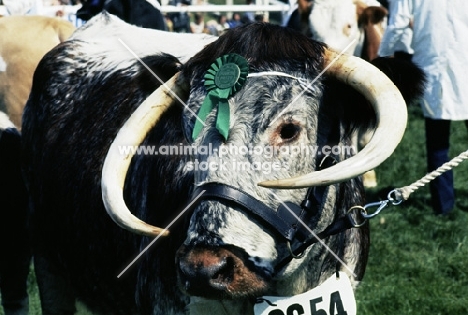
(363, 214)
(393, 200)
(380, 206)
(294, 255)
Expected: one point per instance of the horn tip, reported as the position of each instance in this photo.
(265, 184)
(162, 233)
(153, 232)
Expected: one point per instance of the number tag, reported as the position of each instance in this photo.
(333, 297)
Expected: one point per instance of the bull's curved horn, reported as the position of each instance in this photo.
(391, 113)
(116, 163)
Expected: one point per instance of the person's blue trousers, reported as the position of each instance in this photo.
(437, 146)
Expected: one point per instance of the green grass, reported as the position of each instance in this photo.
(418, 262)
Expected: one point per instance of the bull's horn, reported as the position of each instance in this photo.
(116, 163)
(391, 113)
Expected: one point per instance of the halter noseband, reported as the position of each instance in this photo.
(291, 221)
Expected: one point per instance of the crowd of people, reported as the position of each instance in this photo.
(182, 22)
(185, 22)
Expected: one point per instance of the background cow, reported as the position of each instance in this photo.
(142, 13)
(338, 23)
(15, 252)
(84, 92)
(24, 41)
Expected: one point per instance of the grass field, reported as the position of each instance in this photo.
(418, 262)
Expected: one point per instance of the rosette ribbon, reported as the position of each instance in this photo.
(223, 79)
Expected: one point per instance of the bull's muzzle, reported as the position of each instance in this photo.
(217, 273)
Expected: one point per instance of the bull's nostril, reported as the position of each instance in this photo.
(217, 273)
(225, 273)
(202, 274)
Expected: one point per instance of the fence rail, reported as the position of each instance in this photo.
(71, 10)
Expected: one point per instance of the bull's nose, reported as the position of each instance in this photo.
(218, 272)
(206, 273)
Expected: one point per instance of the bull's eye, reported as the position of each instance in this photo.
(289, 132)
(285, 133)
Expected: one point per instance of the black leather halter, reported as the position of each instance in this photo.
(289, 220)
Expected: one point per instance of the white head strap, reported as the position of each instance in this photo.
(302, 82)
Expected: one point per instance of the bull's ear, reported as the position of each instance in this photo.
(347, 105)
(353, 110)
(406, 75)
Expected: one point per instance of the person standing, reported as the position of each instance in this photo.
(396, 40)
(180, 20)
(198, 24)
(439, 42)
(235, 21)
(248, 17)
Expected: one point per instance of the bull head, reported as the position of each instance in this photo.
(230, 253)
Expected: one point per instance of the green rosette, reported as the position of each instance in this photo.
(223, 79)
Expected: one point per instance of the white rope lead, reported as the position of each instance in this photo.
(403, 193)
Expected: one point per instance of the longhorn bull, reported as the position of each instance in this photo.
(91, 99)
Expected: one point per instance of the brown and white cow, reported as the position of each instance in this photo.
(24, 40)
(352, 26)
